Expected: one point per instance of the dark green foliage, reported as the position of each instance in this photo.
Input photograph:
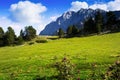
(111, 21)
(98, 22)
(1, 32)
(69, 31)
(20, 40)
(31, 43)
(60, 33)
(98, 26)
(89, 26)
(41, 41)
(1, 37)
(113, 72)
(118, 25)
(65, 69)
(9, 36)
(75, 30)
(29, 33)
(72, 31)
(22, 33)
(111, 18)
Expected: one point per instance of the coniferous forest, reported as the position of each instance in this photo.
(92, 26)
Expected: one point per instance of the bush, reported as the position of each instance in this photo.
(113, 72)
(41, 41)
(31, 43)
(65, 69)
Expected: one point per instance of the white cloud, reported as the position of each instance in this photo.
(24, 13)
(27, 12)
(110, 6)
(77, 5)
(5, 23)
(99, 6)
(114, 5)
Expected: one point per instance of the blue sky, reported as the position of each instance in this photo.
(38, 13)
(53, 5)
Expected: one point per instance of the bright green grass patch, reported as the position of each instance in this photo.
(27, 61)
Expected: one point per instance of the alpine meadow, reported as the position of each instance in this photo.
(26, 61)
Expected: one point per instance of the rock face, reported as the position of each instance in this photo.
(72, 18)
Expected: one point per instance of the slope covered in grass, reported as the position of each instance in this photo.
(27, 61)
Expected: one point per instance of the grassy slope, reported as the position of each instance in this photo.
(29, 60)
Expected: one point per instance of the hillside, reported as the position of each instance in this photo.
(27, 61)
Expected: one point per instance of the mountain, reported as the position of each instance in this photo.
(72, 18)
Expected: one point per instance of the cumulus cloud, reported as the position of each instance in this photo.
(99, 6)
(77, 5)
(27, 12)
(24, 13)
(5, 23)
(109, 6)
(114, 5)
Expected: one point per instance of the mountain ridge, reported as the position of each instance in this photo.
(72, 18)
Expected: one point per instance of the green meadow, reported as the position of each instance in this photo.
(26, 61)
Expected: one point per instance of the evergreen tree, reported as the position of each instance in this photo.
(69, 31)
(60, 33)
(75, 30)
(89, 26)
(118, 25)
(9, 36)
(1, 37)
(111, 20)
(98, 22)
(22, 33)
(29, 33)
(20, 40)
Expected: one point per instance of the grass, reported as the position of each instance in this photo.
(26, 61)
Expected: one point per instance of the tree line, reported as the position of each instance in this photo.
(9, 38)
(97, 25)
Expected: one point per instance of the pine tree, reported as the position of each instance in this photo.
(98, 22)
(60, 33)
(111, 20)
(69, 31)
(1, 37)
(22, 33)
(30, 33)
(9, 36)
(20, 40)
(75, 30)
(89, 26)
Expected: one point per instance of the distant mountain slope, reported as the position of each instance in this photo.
(70, 18)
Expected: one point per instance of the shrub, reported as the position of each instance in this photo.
(41, 41)
(65, 69)
(31, 43)
(113, 72)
